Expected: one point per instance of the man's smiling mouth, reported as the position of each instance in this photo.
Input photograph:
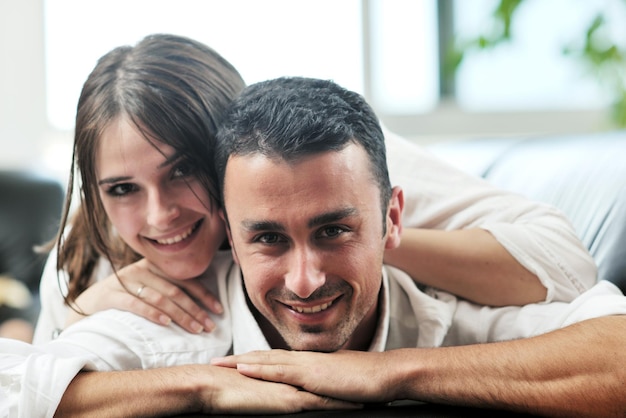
(312, 309)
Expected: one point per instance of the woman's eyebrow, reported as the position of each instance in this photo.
(170, 160)
(111, 180)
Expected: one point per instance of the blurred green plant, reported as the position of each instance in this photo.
(596, 49)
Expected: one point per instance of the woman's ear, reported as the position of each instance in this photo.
(228, 234)
(394, 218)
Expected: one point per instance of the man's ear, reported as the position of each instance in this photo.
(394, 218)
(228, 234)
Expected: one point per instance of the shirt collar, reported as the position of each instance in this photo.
(247, 335)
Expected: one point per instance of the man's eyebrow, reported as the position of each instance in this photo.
(331, 217)
(325, 218)
(255, 226)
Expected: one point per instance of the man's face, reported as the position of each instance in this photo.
(309, 239)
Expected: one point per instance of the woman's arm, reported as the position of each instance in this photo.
(161, 301)
(467, 262)
(538, 238)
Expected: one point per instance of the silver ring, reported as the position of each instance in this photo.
(138, 293)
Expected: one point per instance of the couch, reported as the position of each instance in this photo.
(30, 209)
(582, 175)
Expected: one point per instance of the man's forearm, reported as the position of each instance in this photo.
(578, 370)
(131, 393)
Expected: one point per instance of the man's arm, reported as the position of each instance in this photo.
(183, 389)
(578, 370)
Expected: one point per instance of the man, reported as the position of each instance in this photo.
(310, 212)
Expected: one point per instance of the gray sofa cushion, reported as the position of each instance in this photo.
(584, 176)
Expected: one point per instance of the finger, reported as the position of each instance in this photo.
(181, 307)
(279, 373)
(194, 322)
(268, 357)
(184, 310)
(311, 401)
(204, 296)
(138, 307)
(228, 361)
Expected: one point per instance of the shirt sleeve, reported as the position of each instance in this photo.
(52, 289)
(538, 236)
(33, 379)
(474, 324)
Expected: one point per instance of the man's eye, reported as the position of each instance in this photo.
(122, 189)
(269, 239)
(332, 231)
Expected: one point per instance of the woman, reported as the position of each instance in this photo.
(165, 96)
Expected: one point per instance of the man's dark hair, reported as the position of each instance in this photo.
(292, 117)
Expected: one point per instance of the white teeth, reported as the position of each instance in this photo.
(177, 238)
(312, 309)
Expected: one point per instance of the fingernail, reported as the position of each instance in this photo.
(209, 325)
(196, 327)
(165, 320)
(218, 308)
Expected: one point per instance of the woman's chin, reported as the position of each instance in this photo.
(181, 273)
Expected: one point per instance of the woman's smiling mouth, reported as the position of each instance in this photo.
(180, 237)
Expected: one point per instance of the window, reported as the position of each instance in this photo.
(388, 50)
(530, 72)
(262, 39)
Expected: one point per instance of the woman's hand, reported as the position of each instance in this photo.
(150, 296)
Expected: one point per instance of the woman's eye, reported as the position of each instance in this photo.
(121, 189)
(182, 170)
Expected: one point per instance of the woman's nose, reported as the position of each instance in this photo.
(161, 210)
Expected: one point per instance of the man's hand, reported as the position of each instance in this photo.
(350, 375)
(185, 389)
(236, 393)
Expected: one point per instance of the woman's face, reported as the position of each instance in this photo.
(155, 204)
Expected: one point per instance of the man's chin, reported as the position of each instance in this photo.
(316, 343)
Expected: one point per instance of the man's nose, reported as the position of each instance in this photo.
(305, 274)
(162, 209)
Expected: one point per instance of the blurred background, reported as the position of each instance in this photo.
(433, 70)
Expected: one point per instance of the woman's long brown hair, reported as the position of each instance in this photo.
(175, 91)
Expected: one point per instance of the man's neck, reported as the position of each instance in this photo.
(364, 333)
